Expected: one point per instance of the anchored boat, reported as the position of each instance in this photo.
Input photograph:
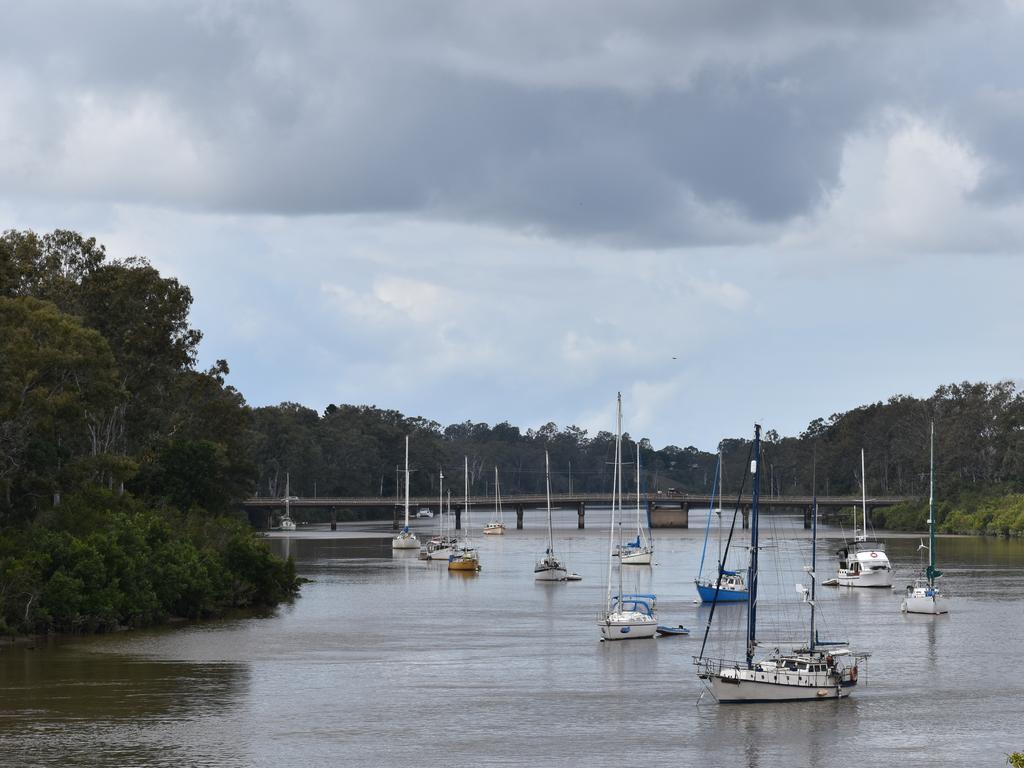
(728, 586)
(923, 596)
(406, 539)
(497, 525)
(863, 563)
(464, 556)
(641, 549)
(549, 567)
(625, 617)
(816, 671)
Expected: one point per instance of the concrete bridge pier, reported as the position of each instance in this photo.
(685, 521)
(745, 511)
(808, 513)
(458, 519)
(519, 517)
(334, 518)
(581, 512)
(394, 521)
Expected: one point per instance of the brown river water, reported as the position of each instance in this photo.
(395, 662)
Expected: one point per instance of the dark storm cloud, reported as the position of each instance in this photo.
(654, 123)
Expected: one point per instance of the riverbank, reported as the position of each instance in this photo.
(104, 563)
(970, 514)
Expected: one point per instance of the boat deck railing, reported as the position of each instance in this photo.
(709, 667)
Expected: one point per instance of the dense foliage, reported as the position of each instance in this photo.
(120, 464)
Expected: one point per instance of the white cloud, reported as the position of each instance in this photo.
(907, 187)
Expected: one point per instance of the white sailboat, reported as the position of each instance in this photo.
(549, 567)
(632, 616)
(464, 556)
(440, 545)
(497, 525)
(863, 563)
(287, 524)
(923, 596)
(406, 539)
(640, 550)
(816, 671)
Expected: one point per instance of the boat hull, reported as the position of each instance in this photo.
(494, 530)
(872, 579)
(550, 574)
(439, 554)
(707, 594)
(405, 541)
(741, 691)
(641, 557)
(626, 627)
(933, 605)
(463, 565)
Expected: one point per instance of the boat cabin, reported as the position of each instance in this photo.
(638, 603)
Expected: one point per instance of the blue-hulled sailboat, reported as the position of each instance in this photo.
(729, 585)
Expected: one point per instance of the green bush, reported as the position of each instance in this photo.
(138, 567)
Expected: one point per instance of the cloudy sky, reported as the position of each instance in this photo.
(499, 210)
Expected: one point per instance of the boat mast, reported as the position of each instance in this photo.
(639, 530)
(618, 472)
(547, 482)
(863, 500)
(707, 525)
(721, 562)
(440, 503)
(814, 542)
(752, 575)
(497, 495)
(406, 483)
(465, 466)
(932, 573)
(615, 481)
(288, 495)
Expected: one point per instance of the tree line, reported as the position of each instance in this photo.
(350, 450)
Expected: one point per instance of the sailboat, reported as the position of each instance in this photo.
(625, 616)
(819, 670)
(497, 525)
(464, 556)
(287, 524)
(923, 596)
(440, 545)
(728, 586)
(641, 549)
(406, 539)
(549, 567)
(863, 563)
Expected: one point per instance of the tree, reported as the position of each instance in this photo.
(56, 404)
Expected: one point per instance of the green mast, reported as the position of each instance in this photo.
(932, 573)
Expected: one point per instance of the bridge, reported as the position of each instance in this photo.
(664, 510)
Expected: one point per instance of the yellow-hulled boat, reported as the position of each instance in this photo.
(464, 560)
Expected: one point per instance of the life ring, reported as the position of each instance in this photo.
(874, 554)
(853, 674)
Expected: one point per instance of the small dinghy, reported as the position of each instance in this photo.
(669, 631)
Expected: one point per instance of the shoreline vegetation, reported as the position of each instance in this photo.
(123, 465)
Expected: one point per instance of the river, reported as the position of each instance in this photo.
(396, 662)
